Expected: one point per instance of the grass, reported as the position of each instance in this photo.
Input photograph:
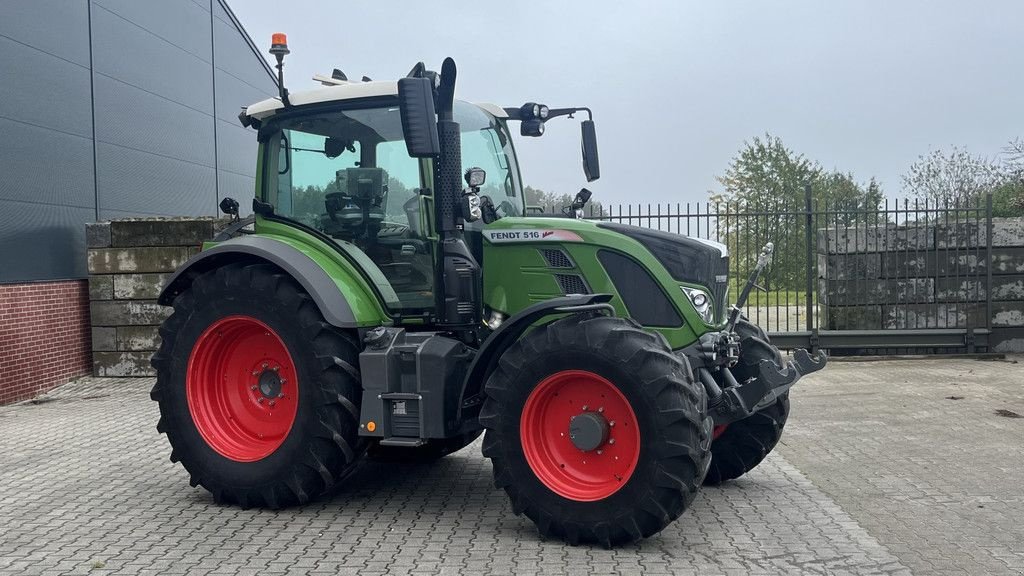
(769, 299)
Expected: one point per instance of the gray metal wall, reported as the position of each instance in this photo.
(117, 108)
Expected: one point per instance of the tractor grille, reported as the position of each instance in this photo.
(572, 284)
(557, 258)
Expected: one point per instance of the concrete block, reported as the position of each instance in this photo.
(1009, 287)
(97, 235)
(849, 266)
(104, 339)
(952, 262)
(138, 338)
(1008, 340)
(857, 292)
(1008, 314)
(161, 232)
(121, 364)
(853, 317)
(101, 287)
(1006, 232)
(845, 240)
(119, 260)
(937, 315)
(1007, 260)
(128, 313)
(139, 286)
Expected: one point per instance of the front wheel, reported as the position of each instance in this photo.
(259, 395)
(596, 431)
(739, 447)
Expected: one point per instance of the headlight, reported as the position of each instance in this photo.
(701, 303)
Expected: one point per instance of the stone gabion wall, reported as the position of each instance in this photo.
(129, 261)
(918, 276)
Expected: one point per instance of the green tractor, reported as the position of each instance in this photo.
(384, 301)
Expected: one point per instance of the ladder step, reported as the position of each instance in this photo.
(403, 442)
(400, 396)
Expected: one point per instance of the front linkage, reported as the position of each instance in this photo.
(741, 371)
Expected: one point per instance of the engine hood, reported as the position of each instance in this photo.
(689, 260)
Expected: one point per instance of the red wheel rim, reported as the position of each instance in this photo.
(242, 388)
(549, 447)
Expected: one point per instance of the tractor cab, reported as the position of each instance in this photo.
(341, 167)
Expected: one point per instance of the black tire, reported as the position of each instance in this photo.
(670, 412)
(754, 346)
(745, 443)
(432, 450)
(322, 444)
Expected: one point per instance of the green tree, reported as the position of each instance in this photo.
(952, 177)
(763, 199)
(1008, 197)
(957, 177)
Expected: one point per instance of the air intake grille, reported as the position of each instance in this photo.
(556, 258)
(572, 284)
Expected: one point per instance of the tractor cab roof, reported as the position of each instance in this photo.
(338, 91)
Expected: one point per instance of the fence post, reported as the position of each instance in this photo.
(809, 238)
(988, 264)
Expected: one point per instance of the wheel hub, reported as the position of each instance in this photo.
(588, 431)
(270, 383)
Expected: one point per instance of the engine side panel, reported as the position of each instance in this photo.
(529, 260)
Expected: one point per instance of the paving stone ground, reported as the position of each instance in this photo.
(917, 454)
(86, 488)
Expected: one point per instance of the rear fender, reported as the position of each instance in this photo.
(342, 295)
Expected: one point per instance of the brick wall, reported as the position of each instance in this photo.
(44, 337)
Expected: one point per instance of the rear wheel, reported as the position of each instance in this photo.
(596, 431)
(259, 395)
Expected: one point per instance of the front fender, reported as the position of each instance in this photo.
(511, 330)
(339, 293)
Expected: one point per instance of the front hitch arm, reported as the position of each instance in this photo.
(762, 261)
(739, 401)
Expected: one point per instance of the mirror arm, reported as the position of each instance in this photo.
(516, 113)
(555, 112)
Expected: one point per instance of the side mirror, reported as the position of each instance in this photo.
(419, 121)
(591, 163)
(229, 206)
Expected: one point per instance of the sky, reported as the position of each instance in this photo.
(678, 87)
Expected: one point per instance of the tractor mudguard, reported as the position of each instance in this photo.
(314, 280)
(510, 330)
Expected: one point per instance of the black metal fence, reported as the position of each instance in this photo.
(909, 276)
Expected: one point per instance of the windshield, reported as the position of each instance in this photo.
(334, 153)
(486, 144)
